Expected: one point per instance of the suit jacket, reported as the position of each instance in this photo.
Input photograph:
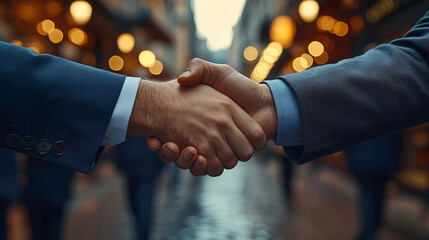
(355, 100)
(9, 186)
(54, 109)
(135, 159)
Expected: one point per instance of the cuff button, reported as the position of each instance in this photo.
(60, 148)
(43, 146)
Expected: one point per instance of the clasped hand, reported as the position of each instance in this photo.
(205, 127)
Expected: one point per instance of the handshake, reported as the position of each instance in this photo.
(209, 119)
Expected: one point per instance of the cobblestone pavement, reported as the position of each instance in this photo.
(244, 203)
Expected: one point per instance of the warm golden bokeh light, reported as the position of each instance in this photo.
(147, 58)
(126, 42)
(326, 23)
(322, 59)
(116, 63)
(250, 53)
(283, 30)
(81, 12)
(56, 36)
(275, 49)
(306, 60)
(157, 68)
(297, 66)
(40, 29)
(77, 36)
(341, 29)
(47, 26)
(315, 48)
(16, 42)
(36, 49)
(308, 10)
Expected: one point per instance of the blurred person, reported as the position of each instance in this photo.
(141, 167)
(65, 113)
(10, 188)
(46, 196)
(372, 164)
(332, 107)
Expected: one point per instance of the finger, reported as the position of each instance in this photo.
(187, 157)
(214, 165)
(199, 168)
(239, 143)
(153, 143)
(169, 152)
(226, 155)
(250, 128)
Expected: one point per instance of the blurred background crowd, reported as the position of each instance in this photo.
(377, 190)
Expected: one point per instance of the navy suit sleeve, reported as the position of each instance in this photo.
(65, 107)
(355, 100)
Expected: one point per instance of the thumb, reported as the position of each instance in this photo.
(199, 71)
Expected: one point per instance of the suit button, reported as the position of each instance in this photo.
(13, 139)
(43, 146)
(60, 147)
(27, 142)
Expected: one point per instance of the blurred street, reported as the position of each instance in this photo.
(236, 206)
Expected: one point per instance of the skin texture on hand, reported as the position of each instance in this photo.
(196, 116)
(255, 99)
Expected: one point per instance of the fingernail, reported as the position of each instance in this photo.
(185, 74)
(168, 152)
(188, 155)
(197, 165)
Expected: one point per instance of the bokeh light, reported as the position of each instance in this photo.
(297, 64)
(116, 63)
(341, 29)
(306, 60)
(283, 30)
(16, 42)
(77, 36)
(47, 26)
(250, 53)
(81, 12)
(126, 42)
(56, 36)
(156, 68)
(147, 58)
(316, 48)
(308, 10)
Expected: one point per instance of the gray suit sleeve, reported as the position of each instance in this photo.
(358, 99)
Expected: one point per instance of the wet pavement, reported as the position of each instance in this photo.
(247, 202)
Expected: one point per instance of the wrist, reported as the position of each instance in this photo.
(143, 114)
(269, 112)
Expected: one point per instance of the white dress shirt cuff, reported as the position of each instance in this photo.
(118, 125)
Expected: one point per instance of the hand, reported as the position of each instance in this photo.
(196, 116)
(256, 99)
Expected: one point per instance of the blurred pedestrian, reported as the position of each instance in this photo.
(141, 167)
(372, 165)
(46, 195)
